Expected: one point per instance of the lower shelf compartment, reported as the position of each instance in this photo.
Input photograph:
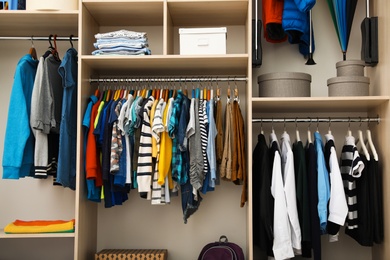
(40, 235)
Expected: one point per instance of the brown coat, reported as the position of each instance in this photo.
(239, 152)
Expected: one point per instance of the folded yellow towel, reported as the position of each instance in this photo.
(66, 227)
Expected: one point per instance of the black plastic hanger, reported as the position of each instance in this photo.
(70, 40)
(50, 49)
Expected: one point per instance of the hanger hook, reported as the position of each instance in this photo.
(349, 123)
(70, 40)
(284, 124)
(318, 123)
(360, 125)
(51, 45)
(330, 121)
(296, 122)
(308, 127)
(32, 41)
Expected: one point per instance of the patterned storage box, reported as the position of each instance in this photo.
(132, 254)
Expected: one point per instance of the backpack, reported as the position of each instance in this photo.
(221, 250)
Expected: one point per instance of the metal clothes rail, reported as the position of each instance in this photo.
(317, 120)
(40, 38)
(168, 79)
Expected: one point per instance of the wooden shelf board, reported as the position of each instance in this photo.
(208, 13)
(160, 65)
(182, 13)
(38, 23)
(317, 104)
(126, 13)
(42, 235)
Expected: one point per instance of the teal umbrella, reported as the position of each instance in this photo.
(342, 12)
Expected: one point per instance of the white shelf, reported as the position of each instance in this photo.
(40, 235)
(182, 13)
(234, 64)
(38, 23)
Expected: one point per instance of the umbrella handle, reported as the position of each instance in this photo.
(310, 33)
(310, 60)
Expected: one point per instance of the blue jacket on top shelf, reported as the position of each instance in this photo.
(296, 21)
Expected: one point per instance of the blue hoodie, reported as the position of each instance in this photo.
(18, 155)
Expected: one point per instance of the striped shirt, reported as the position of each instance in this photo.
(203, 121)
(144, 168)
(351, 168)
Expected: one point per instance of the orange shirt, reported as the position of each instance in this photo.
(92, 157)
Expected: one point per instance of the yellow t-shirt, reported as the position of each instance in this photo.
(100, 108)
(164, 165)
(154, 141)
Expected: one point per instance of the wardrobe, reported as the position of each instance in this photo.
(137, 224)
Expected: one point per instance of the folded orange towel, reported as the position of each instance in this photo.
(41, 227)
(19, 222)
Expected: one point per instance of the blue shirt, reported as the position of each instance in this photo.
(323, 182)
(66, 171)
(211, 154)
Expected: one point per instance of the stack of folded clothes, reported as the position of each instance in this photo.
(40, 226)
(122, 42)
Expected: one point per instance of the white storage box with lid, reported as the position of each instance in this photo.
(52, 5)
(198, 41)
